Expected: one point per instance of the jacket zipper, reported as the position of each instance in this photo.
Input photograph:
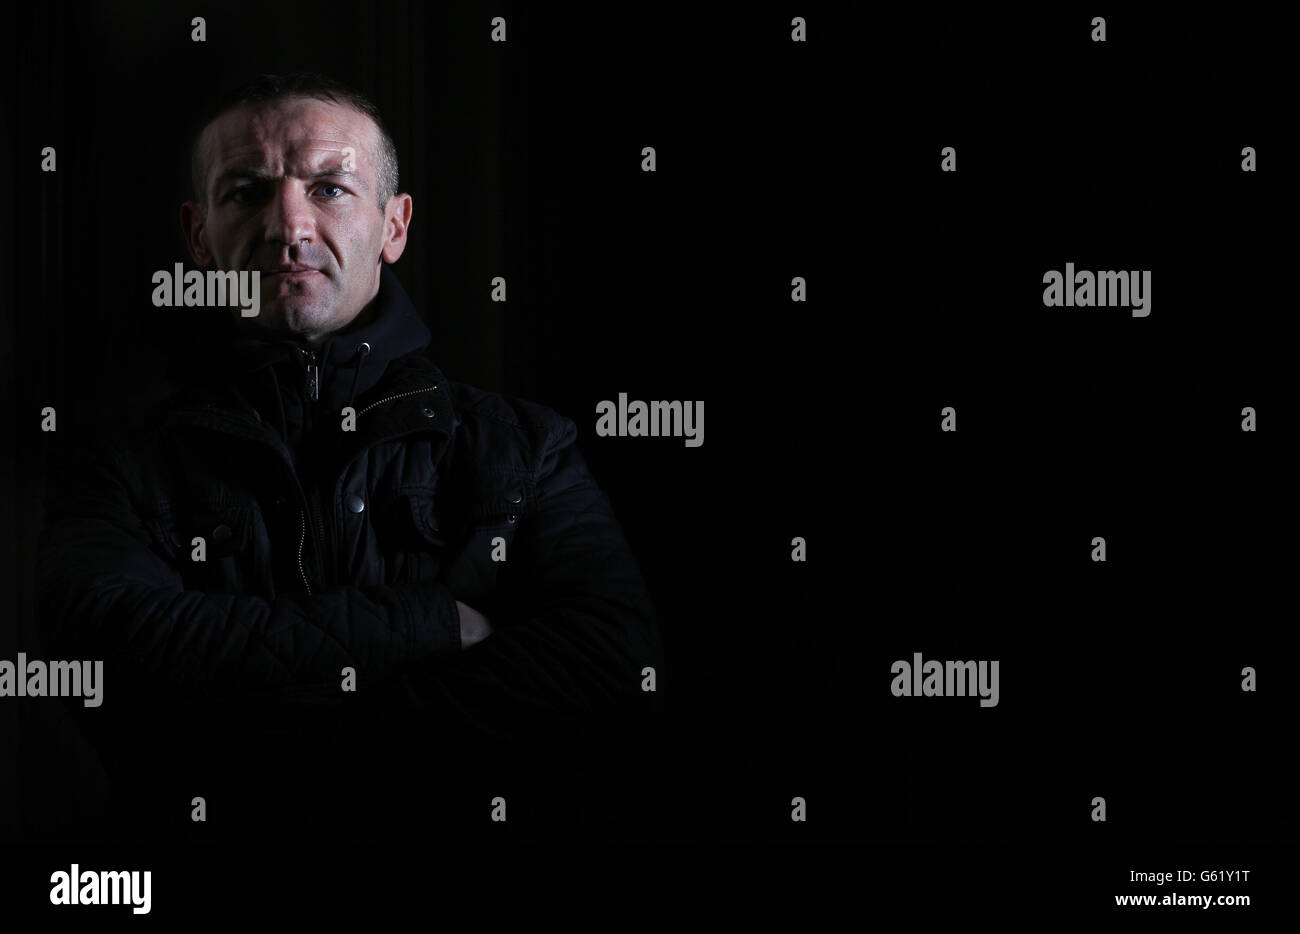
(302, 540)
(318, 514)
(318, 529)
(400, 395)
(312, 388)
(313, 392)
(313, 375)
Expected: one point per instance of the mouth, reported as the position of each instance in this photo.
(291, 272)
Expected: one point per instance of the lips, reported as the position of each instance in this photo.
(289, 270)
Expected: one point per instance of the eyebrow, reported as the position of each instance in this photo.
(257, 173)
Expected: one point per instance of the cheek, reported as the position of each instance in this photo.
(224, 242)
(361, 251)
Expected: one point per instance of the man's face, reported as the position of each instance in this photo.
(292, 193)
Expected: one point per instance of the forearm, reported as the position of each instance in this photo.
(161, 639)
(574, 632)
(549, 678)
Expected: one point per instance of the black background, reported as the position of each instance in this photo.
(780, 159)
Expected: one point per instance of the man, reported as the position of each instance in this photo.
(320, 554)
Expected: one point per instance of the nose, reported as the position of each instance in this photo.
(289, 217)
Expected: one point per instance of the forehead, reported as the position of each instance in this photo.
(293, 133)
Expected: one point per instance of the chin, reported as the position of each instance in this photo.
(302, 321)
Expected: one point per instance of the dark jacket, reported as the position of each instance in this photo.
(330, 549)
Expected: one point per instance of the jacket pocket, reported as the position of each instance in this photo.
(424, 521)
(411, 539)
(487, 514)
(500, 503)
(224, 561)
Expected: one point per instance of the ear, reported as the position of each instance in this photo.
(397, 220)
(194, 227)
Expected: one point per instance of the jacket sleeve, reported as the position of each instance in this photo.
(103, 593)
(573, 633)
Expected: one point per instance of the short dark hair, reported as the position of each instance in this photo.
(266, 89)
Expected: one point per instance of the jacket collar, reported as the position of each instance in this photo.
(213, 353)
(221, 349)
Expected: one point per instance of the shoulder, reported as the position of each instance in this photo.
(487, 417)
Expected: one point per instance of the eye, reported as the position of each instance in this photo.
(336, 188)
(246, 193)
